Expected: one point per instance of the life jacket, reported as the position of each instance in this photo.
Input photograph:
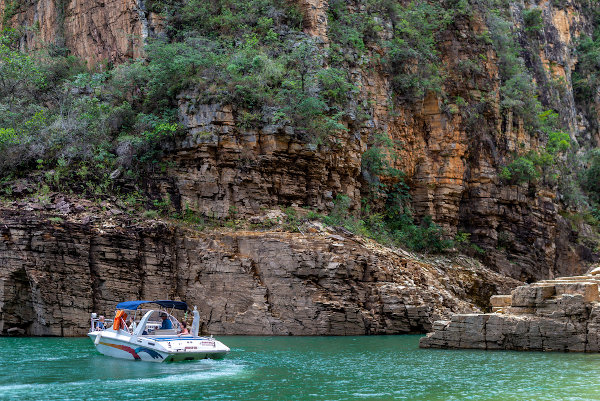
(119, 322)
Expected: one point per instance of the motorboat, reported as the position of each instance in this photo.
(156, 337)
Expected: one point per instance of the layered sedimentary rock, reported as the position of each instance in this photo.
(95, 31)
(551, 315)
(520, 226)
(450, 163)
(315, 18)
(220, 168)
(271, 283)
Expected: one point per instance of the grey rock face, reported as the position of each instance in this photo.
(266, 283)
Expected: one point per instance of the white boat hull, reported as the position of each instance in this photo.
(120, 344)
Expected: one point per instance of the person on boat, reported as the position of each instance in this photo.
(166, 323)
(100, 324)
(184, 330)
(131, 323)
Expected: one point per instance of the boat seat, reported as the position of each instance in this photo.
(161, 332)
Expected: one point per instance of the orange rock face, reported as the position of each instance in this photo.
(96, 31)
(315, 18)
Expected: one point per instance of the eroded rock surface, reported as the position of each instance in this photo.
(219, 168)
(450, 163)
(551, 315)
(269, 283)
(96, 31)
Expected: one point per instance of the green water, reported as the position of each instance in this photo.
(296, 368)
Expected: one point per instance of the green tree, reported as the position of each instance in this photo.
(20, 76)
(590, 179)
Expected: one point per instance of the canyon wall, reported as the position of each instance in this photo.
(54, 274)
(451, 164)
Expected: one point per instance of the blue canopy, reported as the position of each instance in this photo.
(133, 305)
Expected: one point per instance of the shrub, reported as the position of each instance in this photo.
(151, 214)
(520, 170)
(586, 78)
(393, 224)
(518, 86)
(340, 214)
(426, 237)
(170, 66)
(234, 18)
(533, 21)
(8, 136)
(590, 179)
(11, 8)
(412, 54)
(378, 161)
(558, 142)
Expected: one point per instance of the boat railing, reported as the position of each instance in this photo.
(152, 327)
(95, 323)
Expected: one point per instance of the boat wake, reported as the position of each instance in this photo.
(51, 359)
(201, 371)
(208, 372)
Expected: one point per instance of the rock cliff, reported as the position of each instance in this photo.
(451, 164)
(95, 31)
(551, 315)
(55, 272)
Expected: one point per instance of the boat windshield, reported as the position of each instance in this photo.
(159, 322)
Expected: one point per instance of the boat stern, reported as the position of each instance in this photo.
(194, 348)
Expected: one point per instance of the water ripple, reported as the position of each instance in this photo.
(297, 368)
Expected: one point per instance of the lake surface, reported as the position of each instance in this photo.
(296, 368)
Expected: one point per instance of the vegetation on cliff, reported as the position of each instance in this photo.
(586, 81)
(99, 132)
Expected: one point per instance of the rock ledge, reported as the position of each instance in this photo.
(551, 315)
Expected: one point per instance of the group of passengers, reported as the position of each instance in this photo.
(165, 325)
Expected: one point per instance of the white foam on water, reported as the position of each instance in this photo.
(16, 387)
(41, 386)
(210, 372)
(369, 395)
(47, 359)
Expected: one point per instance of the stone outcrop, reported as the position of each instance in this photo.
(315, 18)
(220, 168)
(54, 273)
(551, 315)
